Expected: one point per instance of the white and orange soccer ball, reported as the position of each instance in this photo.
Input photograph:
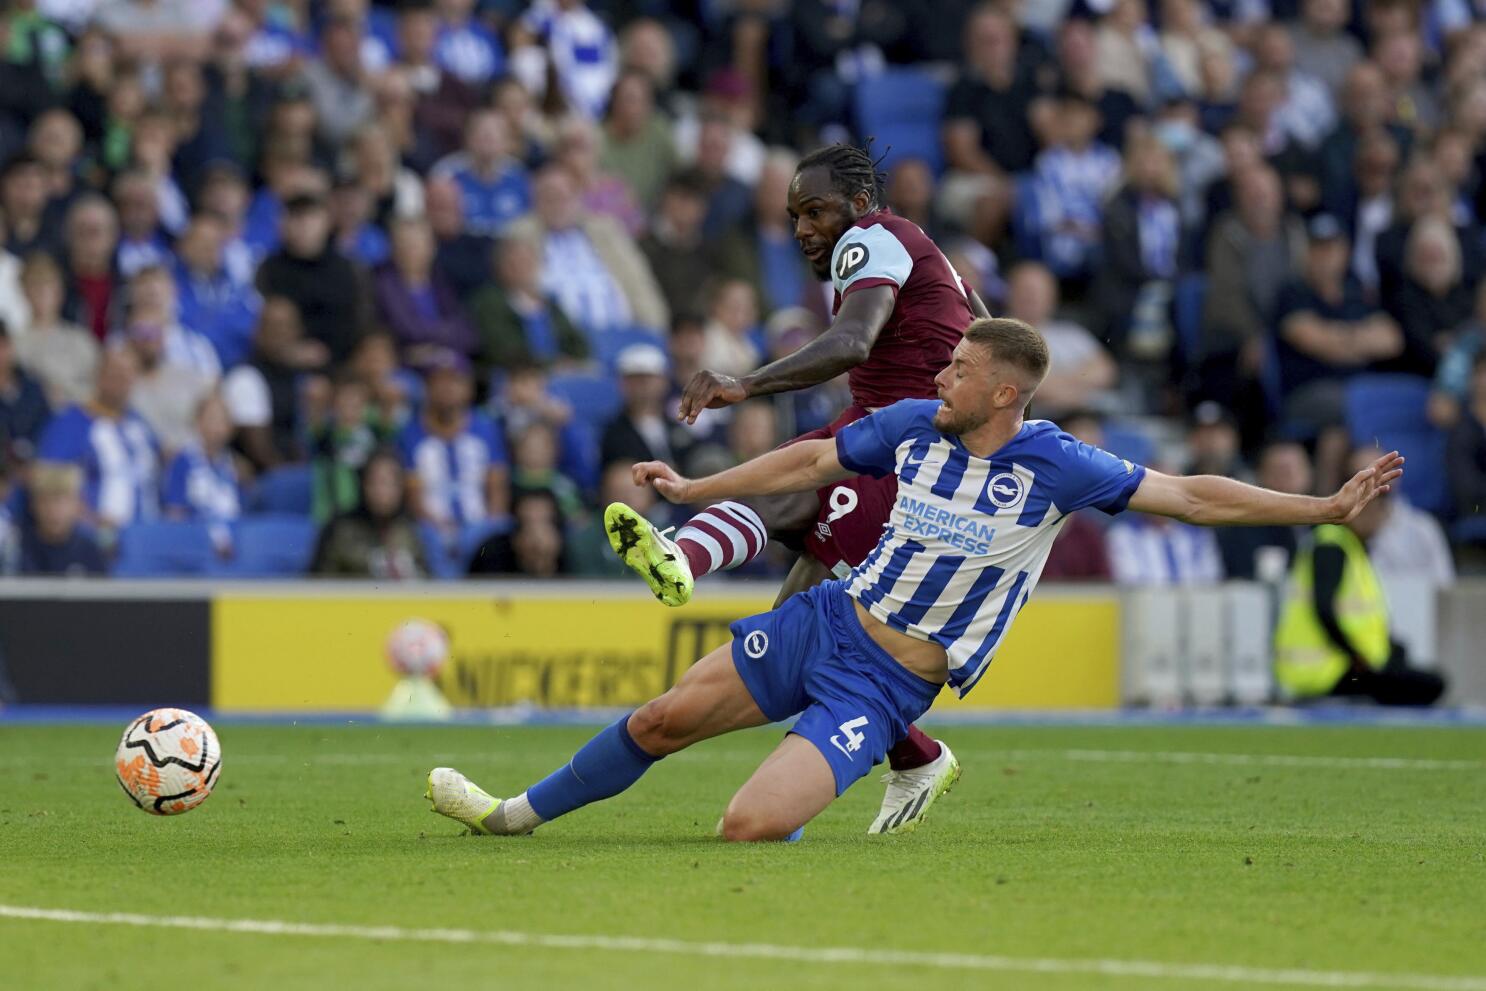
(168, 761)
(418, 649)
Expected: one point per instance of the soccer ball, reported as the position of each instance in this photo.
(418, 649)
(168, 761)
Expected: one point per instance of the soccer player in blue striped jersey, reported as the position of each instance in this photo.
(981, 495)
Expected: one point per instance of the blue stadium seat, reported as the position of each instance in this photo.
(288, 490)
(443, 561)
(164, 550)
(607, 344)
(271, 546)
(1129, 441)
(1389, 410)
(1186, 312)
(1471, 530)
(594, 398)
(900, 110)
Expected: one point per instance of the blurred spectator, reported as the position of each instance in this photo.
(92, 233)
(1157, 551)
(1078, 72)
(1212, 443)
(441, 100)
(675, 247)
(462, 258)
(1264, 552)
(1408, 543)
(534, 547)
(762, 249)
(197, 129)
(577, 147)
(728, 199)
(1323, 48)
(1434, 300)
(166, 394)
(910, 193)
(1307, 112)
(201, 480)
(1367, 208)
(142, 240)
(834, 47)
(342, 443)
(262, 395)
(986, 126)
(212, 303)
(61, 355)
(465, 46)
(517, 322)
(13, 309)
(494, 184)
(1252, 252)
(112, 444)
(589, 264)
(320, 281)
(337, 82)
(395, 191)
(1466, 454)
(455, 456)
(563, 39)
(733, 339)
(52, 539)
(1400, 56)
(391, 388)
(728, 103)
(588, 552)
(1082, 373)
(153, 149)
(638, 146)
(534, 469)
(1423, 193)
(353, 233)
(224, 194)
(1364, 108)
(1122, 42)
(23, 199)
(152, 302)
(1327, 332)
(1452, 379)
(1079, 552)
(1073, 176)
(530, 130)
(642, 431)
(1140, 246)
(1186, 38)
(240, 89)
(414, 302)
(155, 30)
(754, 430)
(647, 48)
(23, 408)
(378, 539)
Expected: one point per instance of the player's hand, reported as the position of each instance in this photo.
(667, 481)
(709, 390)
(1365, 486)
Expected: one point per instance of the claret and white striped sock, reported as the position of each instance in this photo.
(722, 537)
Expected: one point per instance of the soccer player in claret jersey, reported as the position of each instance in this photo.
(981, 495)
(900, 310)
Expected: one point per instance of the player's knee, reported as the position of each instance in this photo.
(741, 824)
(657, 726)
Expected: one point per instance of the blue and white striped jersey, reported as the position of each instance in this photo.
(968, 535)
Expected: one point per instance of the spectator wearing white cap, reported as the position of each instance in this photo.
(642, 431)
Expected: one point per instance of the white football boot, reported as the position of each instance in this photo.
(456, 796)
(910, 794)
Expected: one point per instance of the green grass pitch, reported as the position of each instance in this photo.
(1064, 845)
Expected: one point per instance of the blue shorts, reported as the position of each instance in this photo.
(811, 656)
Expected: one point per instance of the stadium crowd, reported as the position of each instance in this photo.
(401, 290)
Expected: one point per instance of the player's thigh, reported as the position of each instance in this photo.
(709, 700)
(791, 787)
(807, 572)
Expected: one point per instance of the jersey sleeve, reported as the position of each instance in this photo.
(869, 446)
(869, 256)
(1091, 476)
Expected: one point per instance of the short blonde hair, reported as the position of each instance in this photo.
(55, 478)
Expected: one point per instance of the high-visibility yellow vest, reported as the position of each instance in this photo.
(1306, 662)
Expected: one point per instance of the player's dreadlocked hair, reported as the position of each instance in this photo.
(852, 170)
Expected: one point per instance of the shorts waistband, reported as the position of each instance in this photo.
(872, 650)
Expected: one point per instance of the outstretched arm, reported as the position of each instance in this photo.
(800, 467)
(844, 345)
(1209, 500)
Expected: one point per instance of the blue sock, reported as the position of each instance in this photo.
(602, 768)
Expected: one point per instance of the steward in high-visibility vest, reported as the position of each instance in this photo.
(1339, 628)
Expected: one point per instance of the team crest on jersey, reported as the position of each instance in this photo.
(853, 257)
(1005, 490)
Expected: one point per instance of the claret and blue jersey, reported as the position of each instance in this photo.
(968, 536)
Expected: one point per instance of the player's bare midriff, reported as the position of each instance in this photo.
(923, 657)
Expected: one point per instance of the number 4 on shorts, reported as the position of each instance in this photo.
(853, 740)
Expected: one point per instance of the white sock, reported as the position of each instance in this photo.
(513, 817)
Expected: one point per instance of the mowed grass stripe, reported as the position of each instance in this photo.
(826, 956)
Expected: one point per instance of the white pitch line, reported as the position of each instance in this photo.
(1256, 760)
(1151, 969)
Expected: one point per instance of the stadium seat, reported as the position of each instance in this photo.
(1129, 441)
(164, 550)
(1389, 410)
(900, 110)
(271, 546)
(288, 490)
(441, 562)
(607, 344)
(594, 398)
